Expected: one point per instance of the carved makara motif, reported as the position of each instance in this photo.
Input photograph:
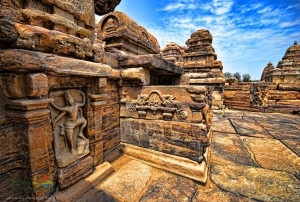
(68, 124)
(154, 102)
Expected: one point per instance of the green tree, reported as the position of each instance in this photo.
(237, 75)
(227, 74)
(246, 78)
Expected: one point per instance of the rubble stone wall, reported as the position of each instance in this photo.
(263, 96)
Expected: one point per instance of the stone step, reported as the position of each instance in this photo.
(82, 187)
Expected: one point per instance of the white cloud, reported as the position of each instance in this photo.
(174, 6)
(245, 36)
(180, 5)
(289, 24)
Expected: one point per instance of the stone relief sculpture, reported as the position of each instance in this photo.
(154, 102)
(259, 97)
(111, 26)
(68, 123)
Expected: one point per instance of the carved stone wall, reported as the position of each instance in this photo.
(263, 96)
(174, 120)
(53, 96)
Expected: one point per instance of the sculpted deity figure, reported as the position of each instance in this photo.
(73, 118)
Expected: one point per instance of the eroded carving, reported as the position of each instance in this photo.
(154, 102)
(69, 123)
(259, 97)
(200, 106)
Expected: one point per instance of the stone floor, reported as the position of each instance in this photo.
(254, 157)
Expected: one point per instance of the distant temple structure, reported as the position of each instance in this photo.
(287, 70)
(266, 72)
(173, 52)
(199, 63)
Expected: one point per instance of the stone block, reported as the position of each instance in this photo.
(289, 86)
(139, 75)
(37, 85)
(177, 138)
(78, 190)
(11, 153)
(230, 94)
(74, 172)
(96, 151)
(13, 186)
(65, 14)
(14, 85)
(283, 95)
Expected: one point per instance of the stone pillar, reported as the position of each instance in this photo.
(28, 109)
(97, 101)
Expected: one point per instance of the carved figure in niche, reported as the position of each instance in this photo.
(73, 118)
(110, 26)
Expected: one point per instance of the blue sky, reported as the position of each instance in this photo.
(246, 34)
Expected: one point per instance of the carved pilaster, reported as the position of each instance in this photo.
(27, 107)
(97, 101)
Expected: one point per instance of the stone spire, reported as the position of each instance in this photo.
(266, 71)
(199, 60)
(288, 69)
(172, 52)
(291, 58)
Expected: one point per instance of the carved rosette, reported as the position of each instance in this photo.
(156, 102)
(68, 125)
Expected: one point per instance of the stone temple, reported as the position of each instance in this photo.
(288, 69)
(99, 112)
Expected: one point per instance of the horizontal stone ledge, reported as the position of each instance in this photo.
(170, 163)
(26, 104)
(289, 86)
(152, 62)
(207, 80)
(29, 117)
(25, 61)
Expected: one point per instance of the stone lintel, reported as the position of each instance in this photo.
(170, 163)
(24, 61)
(141, 75)
(29, 117)
(27, 105)
(152, 62)
(207, 80)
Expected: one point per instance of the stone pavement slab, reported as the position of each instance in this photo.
(249, 127)
(212, 195)
(229, 148)
(256, 183)
(293, 145)
(272, 154)
(280, 130)
(127, 183)
(168, 188)
(223, 125)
